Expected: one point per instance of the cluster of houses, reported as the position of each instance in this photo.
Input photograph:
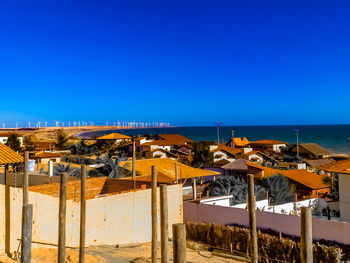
(172, 154)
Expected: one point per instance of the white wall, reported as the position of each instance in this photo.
(321, 229)
(110, 220)
(217, 200)
(344, 197)
(223, 156)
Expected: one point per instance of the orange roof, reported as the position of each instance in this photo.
(174, 137)
(95, 187)
(240, 141)
(342, 166)
(304, 177)
(252, 152)
(165, 168)
(43, 154)
(230, 150)
(267, 171)
(7, 155)
(267, 142)
(114, 136)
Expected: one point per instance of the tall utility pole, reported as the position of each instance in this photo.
(297, 131)
(218, 132)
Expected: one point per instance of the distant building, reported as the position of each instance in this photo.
(165, 170)
(268, 145)
(45, 146)
(342, 168)
(238, 142)
(310, 151)
(223, 152)
(5, 135)
(167, 142)
(117, 137)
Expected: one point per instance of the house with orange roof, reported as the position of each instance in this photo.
(5, 135)
(116, 137)
(167, 141)
(342, 169)
(268, 145)
(222, 152)
(166, 170)
(253, 156)
(238, 142)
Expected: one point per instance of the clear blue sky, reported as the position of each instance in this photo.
(185, 62)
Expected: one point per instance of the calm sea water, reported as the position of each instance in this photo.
(332, 137)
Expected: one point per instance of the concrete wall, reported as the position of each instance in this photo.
(110, 220)
(344, 197)
(321, 229)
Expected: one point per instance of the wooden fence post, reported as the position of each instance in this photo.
(164, 223)
(27, 222)
(82, 214)
(306, 236)
(62, 220)
(252, 220)
(179, 243)
(176, 173)
(25, 178)
(7, 210)
(133, 161)
(194, 189)
(154, 214)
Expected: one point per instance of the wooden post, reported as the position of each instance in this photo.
(25, 178)
(133, 161)
(306, 235)
(154, 214)
(176, 173)
(164, 223)
(179, 243)
(7, 210)
(252, 220)
(82, 214)
(194, 189)
(27, 221)
(62, 220)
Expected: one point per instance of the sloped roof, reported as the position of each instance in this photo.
(169, 140)
(230, 150)
(165, 151)
(319, 162)
(165, 169)
(239, 164)
(7, 155)
(114, 136)
(315, 149)
(252, 152)
(304, 177)
(342, 166)
(268, 142)
(43, 154)
(240, 141)
(174, 137)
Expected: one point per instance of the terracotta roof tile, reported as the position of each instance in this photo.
(7, 155)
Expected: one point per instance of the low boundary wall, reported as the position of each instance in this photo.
(287, 224)
(110, 220)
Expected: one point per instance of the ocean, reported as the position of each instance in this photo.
(331, 137)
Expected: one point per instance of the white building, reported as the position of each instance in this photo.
(4, 137)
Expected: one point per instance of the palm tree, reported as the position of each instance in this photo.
(28, 143)
(13, 142)
(238, 188)
(279, 189)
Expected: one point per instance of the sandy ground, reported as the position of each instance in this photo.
(49, 133)
(111, 254)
